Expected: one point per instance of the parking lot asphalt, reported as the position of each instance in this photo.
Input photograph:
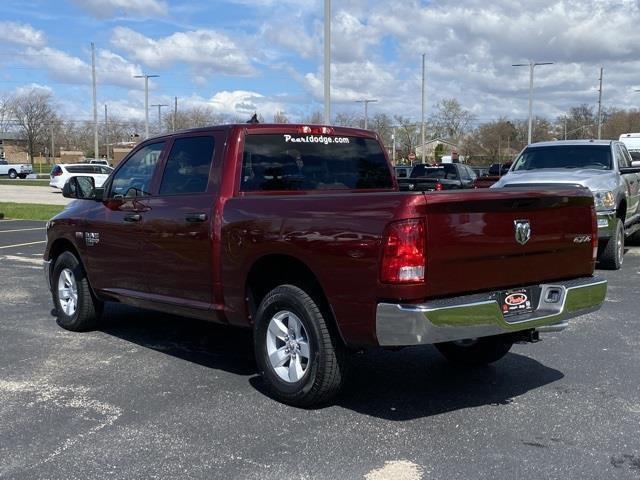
(156, 396)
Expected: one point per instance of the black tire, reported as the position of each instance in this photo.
(611, 256)
(22, 176)
(88, 309)
(480, 351)
(325, 369)
(13, 174)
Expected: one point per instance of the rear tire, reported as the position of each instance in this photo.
(13, 174)
(77, 309)
(298, 356)
(478, 351)
(611, 257)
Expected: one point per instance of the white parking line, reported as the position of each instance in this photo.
(22, 230)
(22, 244)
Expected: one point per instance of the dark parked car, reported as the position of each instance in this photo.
(402, 171)
(447, 176)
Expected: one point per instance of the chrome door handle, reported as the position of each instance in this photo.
(132, 217)
(195, 217)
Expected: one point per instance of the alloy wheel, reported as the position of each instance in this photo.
(288, 346)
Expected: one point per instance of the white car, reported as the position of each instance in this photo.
(61, 172)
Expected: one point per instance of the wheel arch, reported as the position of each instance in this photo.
(272, 270)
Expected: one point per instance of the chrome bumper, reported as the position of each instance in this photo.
(47, 272)
(606, 224)
(479, 315)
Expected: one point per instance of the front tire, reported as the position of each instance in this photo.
(300, 359)
(612, 255)
(477, 351)
(78, 310)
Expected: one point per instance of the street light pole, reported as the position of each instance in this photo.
(531, 66)
(146, 101)
(327, 62)
(422, 122)
(366, 102)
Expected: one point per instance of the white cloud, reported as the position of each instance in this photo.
(111, 69)
(206, 50)
(21, 34)
(108, 8)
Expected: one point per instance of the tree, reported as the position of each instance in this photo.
(34, 115)
(280, 117)
(382, 124)
(315, 118)
(407, 132)
(6, 113)
(493, 142)
(451, 121)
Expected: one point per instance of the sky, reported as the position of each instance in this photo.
(241, 56)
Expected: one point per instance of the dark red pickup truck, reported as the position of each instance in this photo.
(300, 233)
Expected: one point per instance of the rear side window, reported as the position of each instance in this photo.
(56, 170)
(81, 169)
(188, 166)
(285, 162)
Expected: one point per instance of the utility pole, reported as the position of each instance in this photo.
(600, 106)
(565, 127)
(327, 62)
(366, 110)
(393, 154)
(422, 121)
(160, 105)
(531, 66)
(106, 133)
(146, 101)
(175, 114)
(95, 102)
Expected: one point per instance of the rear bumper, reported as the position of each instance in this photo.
(479, 315)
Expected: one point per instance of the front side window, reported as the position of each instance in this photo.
(312, 162)
(188, 166)
(133, 179)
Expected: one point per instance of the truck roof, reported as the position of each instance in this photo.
(279, 128)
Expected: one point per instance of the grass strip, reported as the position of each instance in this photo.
(29, 211)
(25, 183)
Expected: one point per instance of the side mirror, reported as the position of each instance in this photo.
(82, 188)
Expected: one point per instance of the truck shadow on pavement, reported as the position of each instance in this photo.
(394, 385)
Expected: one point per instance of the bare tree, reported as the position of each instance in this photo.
(34, 114)
(6, 114)
(408, 133)
(315, 118)
(280, 117)
(347, 119)
(451, 121)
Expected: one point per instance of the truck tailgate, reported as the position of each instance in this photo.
(472, 245)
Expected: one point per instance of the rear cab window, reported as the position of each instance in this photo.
(291, 162)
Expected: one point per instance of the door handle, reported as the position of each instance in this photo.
(132, 217)
(195, 217)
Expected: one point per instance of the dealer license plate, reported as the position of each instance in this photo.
(516, 302)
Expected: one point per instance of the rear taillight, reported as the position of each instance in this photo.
(594, 232)
(439, 186)
(403, 258)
